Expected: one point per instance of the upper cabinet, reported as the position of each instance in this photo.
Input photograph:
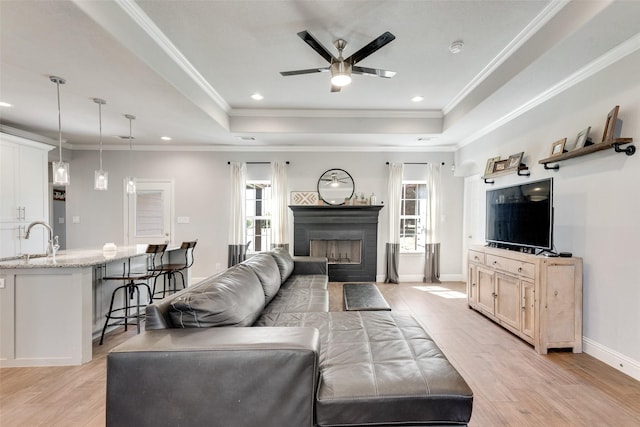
(23, 191)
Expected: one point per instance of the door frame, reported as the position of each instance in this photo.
(127, 206)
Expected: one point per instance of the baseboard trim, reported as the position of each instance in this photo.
(418, 278)
(612, 358)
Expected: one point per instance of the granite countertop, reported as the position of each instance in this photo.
(75, 258)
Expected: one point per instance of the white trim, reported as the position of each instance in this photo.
(418, 278)
(148, 26)
(341, 114)
(275, 148)
(531, 29)
(622, 363)
(614, 55)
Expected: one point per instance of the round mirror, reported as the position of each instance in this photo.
(335, 186)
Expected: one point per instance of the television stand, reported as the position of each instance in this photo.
(537, 298)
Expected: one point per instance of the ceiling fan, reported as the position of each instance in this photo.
(341, 68)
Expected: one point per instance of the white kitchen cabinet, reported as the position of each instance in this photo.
(23, 194)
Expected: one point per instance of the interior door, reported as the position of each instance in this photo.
(473, 219)
(149, 213)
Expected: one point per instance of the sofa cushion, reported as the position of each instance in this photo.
(266, 268)
(233, 298)
(380, 368)
(284, 261)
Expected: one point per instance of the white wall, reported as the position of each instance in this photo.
(202, 193)
(596, 201)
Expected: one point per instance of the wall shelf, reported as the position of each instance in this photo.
(522, 170)
(600, 146)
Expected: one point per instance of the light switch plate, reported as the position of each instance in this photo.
(75, 220)
(184, 220)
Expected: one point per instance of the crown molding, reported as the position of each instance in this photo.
(151, 29)
(529, 31)
(269, 149)
(614, 55)
(343, 114)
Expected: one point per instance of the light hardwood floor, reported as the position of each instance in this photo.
(512, 384)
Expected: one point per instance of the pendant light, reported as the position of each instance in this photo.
(59, 169)
(101, 179)
(131, 180)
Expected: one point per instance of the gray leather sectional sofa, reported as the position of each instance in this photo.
(256, 346)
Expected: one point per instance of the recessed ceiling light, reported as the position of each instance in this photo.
(165, 138)
(417, 98)
(456, 46)
(5, 104)
(257, 97)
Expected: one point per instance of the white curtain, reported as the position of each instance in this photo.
(237, 220)
(394, 193)
(280, 213)
(432, 226)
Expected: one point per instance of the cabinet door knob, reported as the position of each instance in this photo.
(519, 269)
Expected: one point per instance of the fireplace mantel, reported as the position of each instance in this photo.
(323, 222)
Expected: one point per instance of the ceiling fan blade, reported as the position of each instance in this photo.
(372, 72)
(376, 44)
(316, 45)
(335, 88)
(307, 71)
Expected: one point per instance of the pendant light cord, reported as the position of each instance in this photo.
(100, 126)
(59, 122)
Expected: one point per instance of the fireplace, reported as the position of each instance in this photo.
(346, 235)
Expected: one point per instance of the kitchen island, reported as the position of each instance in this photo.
(52, 309)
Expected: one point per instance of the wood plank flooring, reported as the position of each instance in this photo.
(512, 384)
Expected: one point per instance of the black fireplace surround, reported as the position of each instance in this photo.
(321, 222)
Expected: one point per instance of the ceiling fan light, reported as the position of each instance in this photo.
(340, 74)
(340, 80)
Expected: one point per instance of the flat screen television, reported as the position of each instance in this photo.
(521, 216)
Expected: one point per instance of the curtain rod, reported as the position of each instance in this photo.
(259, 163)
(410, 163)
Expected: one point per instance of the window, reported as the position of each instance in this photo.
(149, 214)
(258, 215)
(413, 217)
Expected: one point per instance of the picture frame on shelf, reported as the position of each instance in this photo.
(610, 125)
(304, 198)
(489, 167)
(581, 138)
(500, 165)
(557, 147)
(514, 161)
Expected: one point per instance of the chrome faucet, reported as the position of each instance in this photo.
(50, 249)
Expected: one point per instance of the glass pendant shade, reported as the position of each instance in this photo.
(101, 180)
(60, 170)
(60, 173)
(131, 185)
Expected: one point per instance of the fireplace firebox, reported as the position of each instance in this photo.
(346, 235)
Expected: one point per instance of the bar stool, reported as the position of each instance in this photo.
(169, 271)
(133, 282)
